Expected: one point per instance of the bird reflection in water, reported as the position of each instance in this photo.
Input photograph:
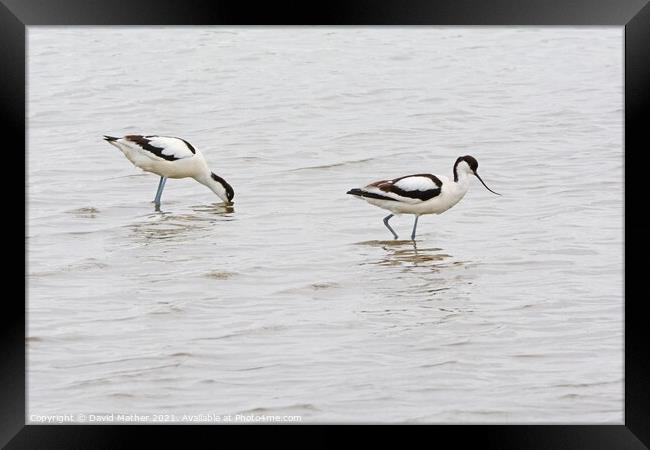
(168, 225)
(426, 278)
(407, 254)
(217, 208)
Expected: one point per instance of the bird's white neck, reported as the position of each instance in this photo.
(218, 185)
(463, 176)
(462, 171)
(461, 184)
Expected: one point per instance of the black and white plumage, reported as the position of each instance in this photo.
(421, 193)
(170, 157)
(409, 189)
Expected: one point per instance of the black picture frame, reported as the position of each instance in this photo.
(633, 15)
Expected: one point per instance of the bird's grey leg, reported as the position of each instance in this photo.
(161, 186)
(386, 219)
(415, 225)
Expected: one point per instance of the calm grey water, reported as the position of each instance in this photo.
(509, 310)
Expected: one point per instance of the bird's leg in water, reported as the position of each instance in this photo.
(386, 219)
(415, 225)
(161, 186)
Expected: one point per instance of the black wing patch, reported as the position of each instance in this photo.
(360, 193)
(390, 186)
(144, 143)
(417, 194)
(189, 146)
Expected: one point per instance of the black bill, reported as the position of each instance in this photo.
(479, 178)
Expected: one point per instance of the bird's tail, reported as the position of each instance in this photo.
(110, 138)
(360, 193)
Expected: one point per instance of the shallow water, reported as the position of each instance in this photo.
(506, 310)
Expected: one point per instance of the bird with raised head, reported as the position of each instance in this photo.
(421, 194)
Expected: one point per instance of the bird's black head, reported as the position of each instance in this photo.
(470, 160)
(230, 193)
(473, 166)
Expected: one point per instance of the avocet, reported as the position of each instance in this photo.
(170, 157)
(421, 194)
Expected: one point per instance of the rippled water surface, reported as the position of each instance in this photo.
(508, 309)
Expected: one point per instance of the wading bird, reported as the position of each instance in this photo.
(170, 157)
(422, 193)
